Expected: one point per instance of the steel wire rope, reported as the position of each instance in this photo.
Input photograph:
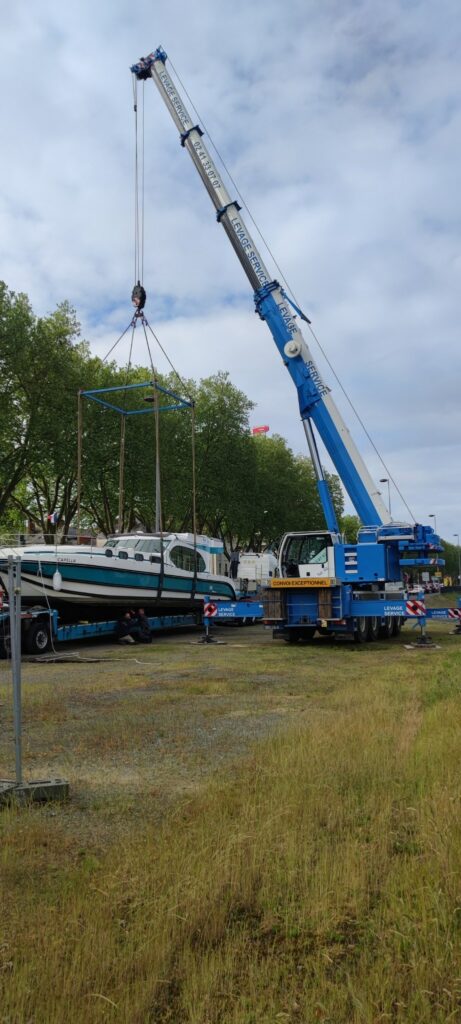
(122, 335)
(289, 289)
(145, 324)
(158, 505)
(359, 418)
(139, 240)
(136, 181)
(121, 487)
(192, 401)
(178, 377)
(142, 185)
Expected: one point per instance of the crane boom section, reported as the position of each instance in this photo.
(273, 305)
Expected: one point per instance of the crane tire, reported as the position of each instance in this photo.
(386, 630)
(373, 628)
(361, 631)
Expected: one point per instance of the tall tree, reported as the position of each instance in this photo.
(16, 421)
(46, 373)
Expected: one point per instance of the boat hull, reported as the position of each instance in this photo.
(92, 580)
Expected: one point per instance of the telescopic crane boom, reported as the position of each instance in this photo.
(316, 405)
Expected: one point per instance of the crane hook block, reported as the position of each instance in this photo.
(138, 296)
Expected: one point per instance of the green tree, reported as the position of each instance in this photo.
(248, 490)
(16, 425)
(350, 525)
(46, 377)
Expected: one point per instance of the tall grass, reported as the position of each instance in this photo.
(322, 882)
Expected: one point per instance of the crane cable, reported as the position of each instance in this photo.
(289, 289)
(139, 205)
(138, 200)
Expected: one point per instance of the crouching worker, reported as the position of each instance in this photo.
(125, 629)
(144, 634)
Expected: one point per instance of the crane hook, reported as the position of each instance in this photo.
(138, 296)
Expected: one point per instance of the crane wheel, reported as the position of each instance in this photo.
(385, 631)
(361, 631)
(373, 628)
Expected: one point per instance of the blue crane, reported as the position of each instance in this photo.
(322, 582)
(316, 405)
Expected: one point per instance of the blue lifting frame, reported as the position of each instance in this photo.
(178, 402)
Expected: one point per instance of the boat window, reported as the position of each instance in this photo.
(185, 558)
(149, 545)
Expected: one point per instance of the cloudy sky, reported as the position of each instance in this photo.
(340, 121)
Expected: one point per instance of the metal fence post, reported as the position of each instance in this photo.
(14, 594)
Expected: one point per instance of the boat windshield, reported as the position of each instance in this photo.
(147, 545)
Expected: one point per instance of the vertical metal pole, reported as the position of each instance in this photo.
(121, 483)
(14, 594)
(79, 460)
(194, 482)
(158, 484)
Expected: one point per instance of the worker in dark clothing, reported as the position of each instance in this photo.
(234, 564)
(144, 630)
(125, 629)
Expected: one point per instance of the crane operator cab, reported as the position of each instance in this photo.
(304, 555)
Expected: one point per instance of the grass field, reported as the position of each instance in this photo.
(257, 832)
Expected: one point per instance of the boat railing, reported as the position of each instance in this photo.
(21, 540)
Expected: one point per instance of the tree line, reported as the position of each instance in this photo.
(249, 489)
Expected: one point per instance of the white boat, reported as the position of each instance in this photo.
(155, 571)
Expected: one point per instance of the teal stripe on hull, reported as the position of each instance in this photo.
(123, 579)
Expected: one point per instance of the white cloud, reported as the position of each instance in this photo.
(340, 123)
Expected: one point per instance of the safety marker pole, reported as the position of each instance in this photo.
(206, 638)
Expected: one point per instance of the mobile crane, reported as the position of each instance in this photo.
(322, 582)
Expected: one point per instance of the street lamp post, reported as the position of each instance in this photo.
(385, 480)
(459, 557)
(434, 517)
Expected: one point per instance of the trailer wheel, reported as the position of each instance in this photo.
(396, 625)
(361, 631)
(37, 638)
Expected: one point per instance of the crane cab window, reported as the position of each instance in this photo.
(187, 558)
(307, 549)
